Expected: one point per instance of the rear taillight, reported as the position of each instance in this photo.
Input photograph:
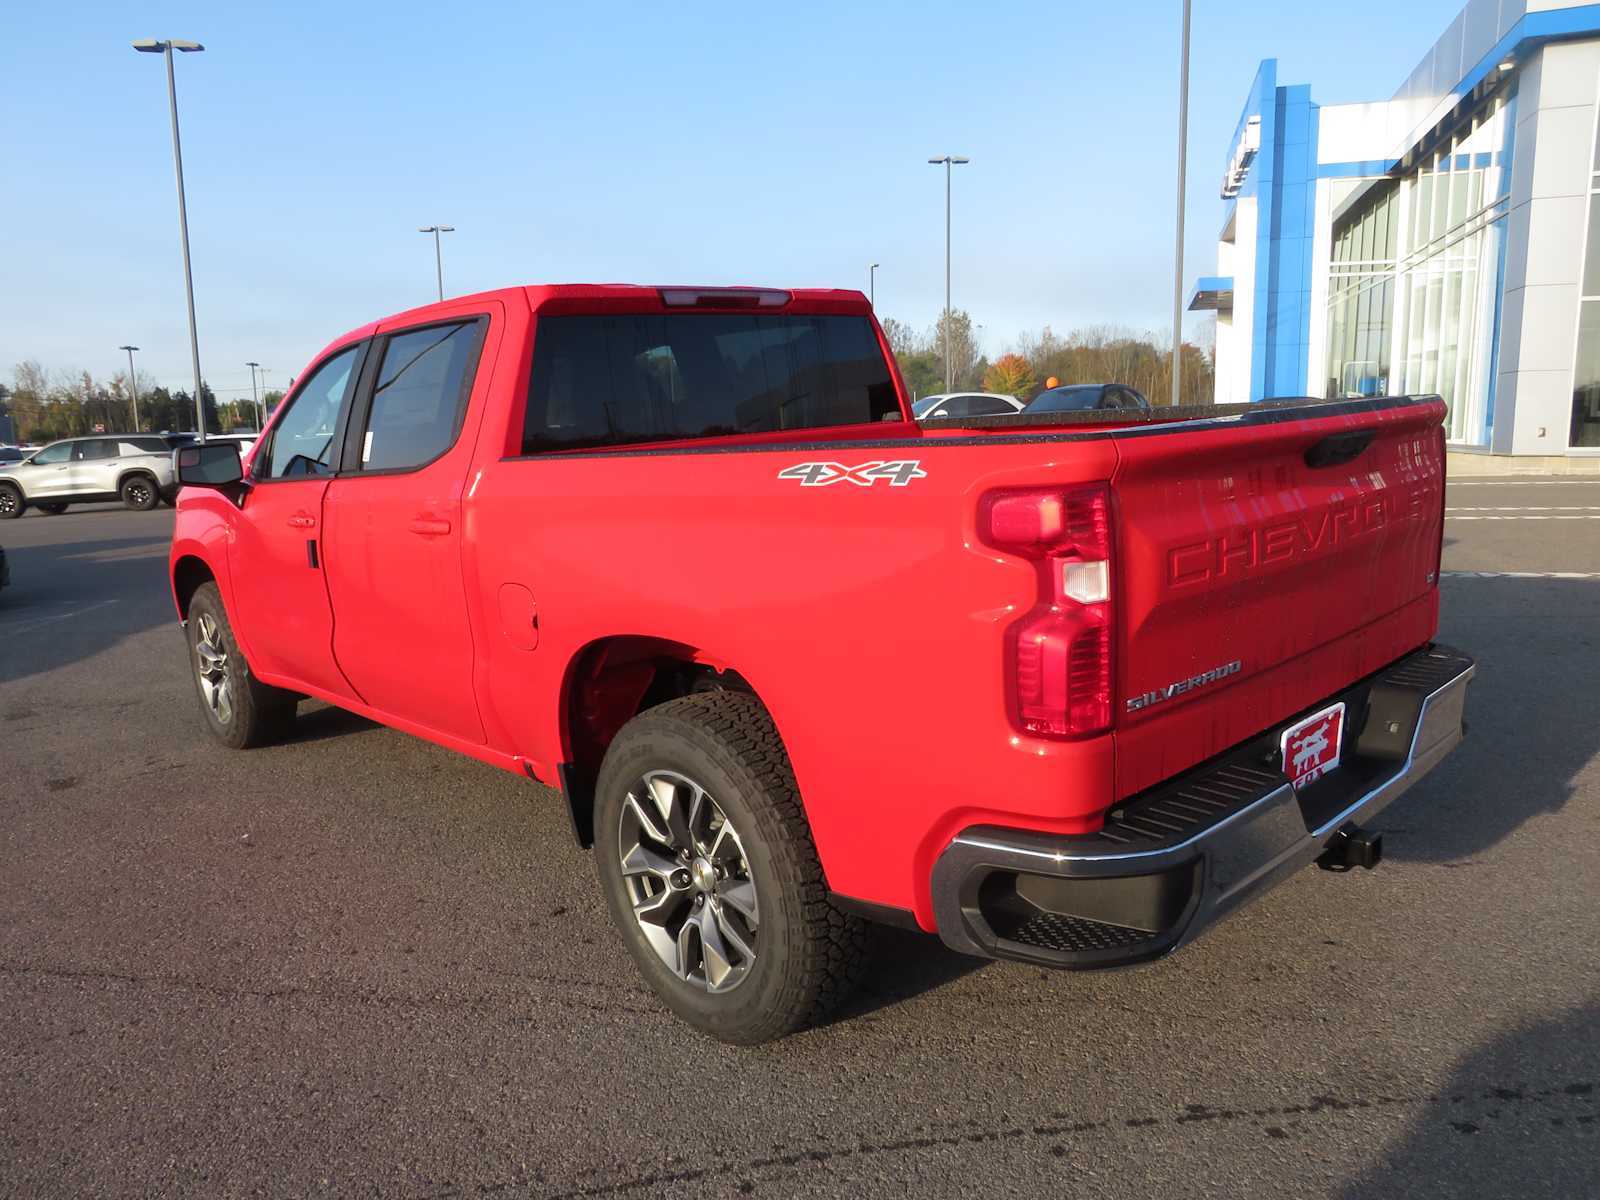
(1059, 654)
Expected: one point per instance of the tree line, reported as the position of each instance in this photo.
(1102, 354)
(43, 406)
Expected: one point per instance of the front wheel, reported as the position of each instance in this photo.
(238, 709)
(12, 504)
(712, 877)
(139, 493)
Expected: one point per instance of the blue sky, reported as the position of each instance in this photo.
(774, 143)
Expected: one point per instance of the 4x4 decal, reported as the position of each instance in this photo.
(821, 474)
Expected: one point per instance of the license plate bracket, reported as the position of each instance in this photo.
(1312, 746)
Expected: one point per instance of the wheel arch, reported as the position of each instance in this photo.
(189, 573)
(128, 473)
(613, 679)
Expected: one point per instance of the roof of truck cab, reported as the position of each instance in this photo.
(622, 297)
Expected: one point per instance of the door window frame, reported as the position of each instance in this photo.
(351, 388)
(360, 407)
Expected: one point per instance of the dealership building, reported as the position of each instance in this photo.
(1445, 240)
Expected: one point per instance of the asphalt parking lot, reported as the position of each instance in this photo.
(358, 964)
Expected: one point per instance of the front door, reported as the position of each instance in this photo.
(48, 473)
(393, 526)
(278, 584)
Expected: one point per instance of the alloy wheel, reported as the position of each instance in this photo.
(688, 881)
(8, 501)
(211, 668)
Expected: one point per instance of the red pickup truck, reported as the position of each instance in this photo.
(1062, 688)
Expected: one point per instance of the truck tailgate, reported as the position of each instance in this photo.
(1264, 565)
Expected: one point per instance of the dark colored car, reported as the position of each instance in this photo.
(11, 454)
(1083, 397)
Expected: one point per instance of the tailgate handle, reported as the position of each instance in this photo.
(1339, 448)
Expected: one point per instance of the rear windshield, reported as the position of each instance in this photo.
(619, 380)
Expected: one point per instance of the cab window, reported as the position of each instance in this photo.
(420, 396)
(303, 441)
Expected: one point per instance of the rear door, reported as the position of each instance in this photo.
(1278, 552)
(282, 599)
(95, 463)
(394, 524)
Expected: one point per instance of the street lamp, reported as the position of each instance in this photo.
(438, 258)
(133, 387)
(1177, 266)
(165, 48)
(949, 161)
(872, 287)
(261, 422)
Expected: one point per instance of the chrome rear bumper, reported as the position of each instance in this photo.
(1173, 861)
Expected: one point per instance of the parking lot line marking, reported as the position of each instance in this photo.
(25, 624)
(1520, 574)
(1526, 517)
(1527, 508)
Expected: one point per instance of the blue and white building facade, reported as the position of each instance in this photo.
(1445, 240)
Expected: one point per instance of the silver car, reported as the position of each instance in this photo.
(135, 468)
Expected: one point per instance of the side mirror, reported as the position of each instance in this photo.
(208, 464)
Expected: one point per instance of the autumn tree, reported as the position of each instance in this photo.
(1010, 375)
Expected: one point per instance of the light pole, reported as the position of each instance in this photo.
(438, 255)
(133, 387)
(165, 48)
(1177, 264)
(949, 161)
(872, 287)
(255, 395)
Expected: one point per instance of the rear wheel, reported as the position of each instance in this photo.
(238, 709)
(139, 493)
(54, 508)
(711, 874)
(12, 505)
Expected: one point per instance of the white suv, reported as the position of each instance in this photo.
(133, 467)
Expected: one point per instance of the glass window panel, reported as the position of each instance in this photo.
(419, 397)
(302, 441)
(1591, 258)
(614, 380)
(1586, 379)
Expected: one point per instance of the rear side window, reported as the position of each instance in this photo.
(144, 445)
(620, 380)
(95, 448)
(420, 396)
(987, 406)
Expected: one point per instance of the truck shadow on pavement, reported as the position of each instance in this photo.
(319, 722)
(1518, 1117)
(1531, 728)
(71, 600)
(904, 965)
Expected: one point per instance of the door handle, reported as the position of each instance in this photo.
(303, 521)
(430, 526)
